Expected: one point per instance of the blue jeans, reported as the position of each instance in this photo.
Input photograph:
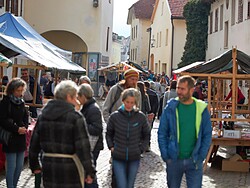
(14, 168)
(176, 169)
(125, 172)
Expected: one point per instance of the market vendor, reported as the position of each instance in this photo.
(241, 97)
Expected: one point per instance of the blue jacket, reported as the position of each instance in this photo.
(168, 133)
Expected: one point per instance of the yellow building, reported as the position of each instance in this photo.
(139, 18)
(168, 35)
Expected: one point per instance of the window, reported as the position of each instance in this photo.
(221, 17)
(226, 35)
(166, 42)
(135, 54)
(160, 40)
(233, 13)
(248, 9)
(162, 8)
(1, 3)
(12, 6)
(216, 20)
(240, 11)
(157, 40)
(136, 32)
(211, 23)
(107, 42)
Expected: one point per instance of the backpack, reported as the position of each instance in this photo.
(116, 98)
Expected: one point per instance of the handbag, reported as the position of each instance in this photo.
(4, 136)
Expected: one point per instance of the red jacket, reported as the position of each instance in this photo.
(240, 95)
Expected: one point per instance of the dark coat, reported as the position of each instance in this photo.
(60, 129)
(93, 117)
(13, 116)
(128, 133)
(39, 96)
(154, 102)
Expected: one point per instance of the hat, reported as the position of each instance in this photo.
(130, 73)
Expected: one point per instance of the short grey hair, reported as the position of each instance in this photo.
(84, 78)
(85, 90)
(65, 88)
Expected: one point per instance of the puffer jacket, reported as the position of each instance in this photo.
(168, 132)
(60, 129)
(94, 119)
(128, 133)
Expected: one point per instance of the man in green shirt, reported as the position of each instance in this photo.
(184, 135)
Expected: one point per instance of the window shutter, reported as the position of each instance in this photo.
(1, 3)
(7, 6)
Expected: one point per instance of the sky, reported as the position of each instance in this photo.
(120, 17)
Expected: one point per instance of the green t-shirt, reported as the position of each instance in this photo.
(187, 129)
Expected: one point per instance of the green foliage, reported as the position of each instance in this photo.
(196, 14)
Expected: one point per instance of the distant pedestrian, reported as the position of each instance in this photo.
(84, 79)
(14, 118)
(127, 137)
(60, 135)
(169, 94)
(184, 136)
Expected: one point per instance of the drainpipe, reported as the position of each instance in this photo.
(149, 44)
(172, 48)
(21, 8)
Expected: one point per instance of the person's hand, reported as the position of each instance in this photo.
(112, 149)
(88, 179)
(151, 116)
(37, 171)
(22, 130)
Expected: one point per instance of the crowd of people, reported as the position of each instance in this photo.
(68, 135)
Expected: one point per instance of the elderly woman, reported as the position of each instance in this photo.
(93, 115)
(14, 118)
(61, 134)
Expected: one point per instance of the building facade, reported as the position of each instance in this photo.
(229, 26)
(139, 18)
(168, 35)
(83, 27)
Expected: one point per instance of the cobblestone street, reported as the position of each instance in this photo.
(151, 173)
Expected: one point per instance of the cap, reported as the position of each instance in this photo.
(131, 73)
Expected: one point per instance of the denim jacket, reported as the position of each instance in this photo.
(168, 133)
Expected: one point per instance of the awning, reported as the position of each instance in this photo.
(15, 39)
(221, 63)
(117, 66)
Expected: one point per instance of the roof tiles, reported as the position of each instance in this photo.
(176, 7)
(143, 8)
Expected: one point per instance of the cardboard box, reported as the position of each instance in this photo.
(232, 134)
(235, 166)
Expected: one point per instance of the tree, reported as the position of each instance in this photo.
(196, 14)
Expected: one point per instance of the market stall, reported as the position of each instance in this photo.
(232, 67)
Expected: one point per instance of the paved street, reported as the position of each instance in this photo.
(152, 171)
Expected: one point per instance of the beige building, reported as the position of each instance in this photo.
(139, 18)
(229, 26)
(83, 27)
(116, 49)
(168, 35)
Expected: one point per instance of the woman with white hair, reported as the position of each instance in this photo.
(61, 134)
(93, 116)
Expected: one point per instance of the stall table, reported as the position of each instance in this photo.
(216, 142)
